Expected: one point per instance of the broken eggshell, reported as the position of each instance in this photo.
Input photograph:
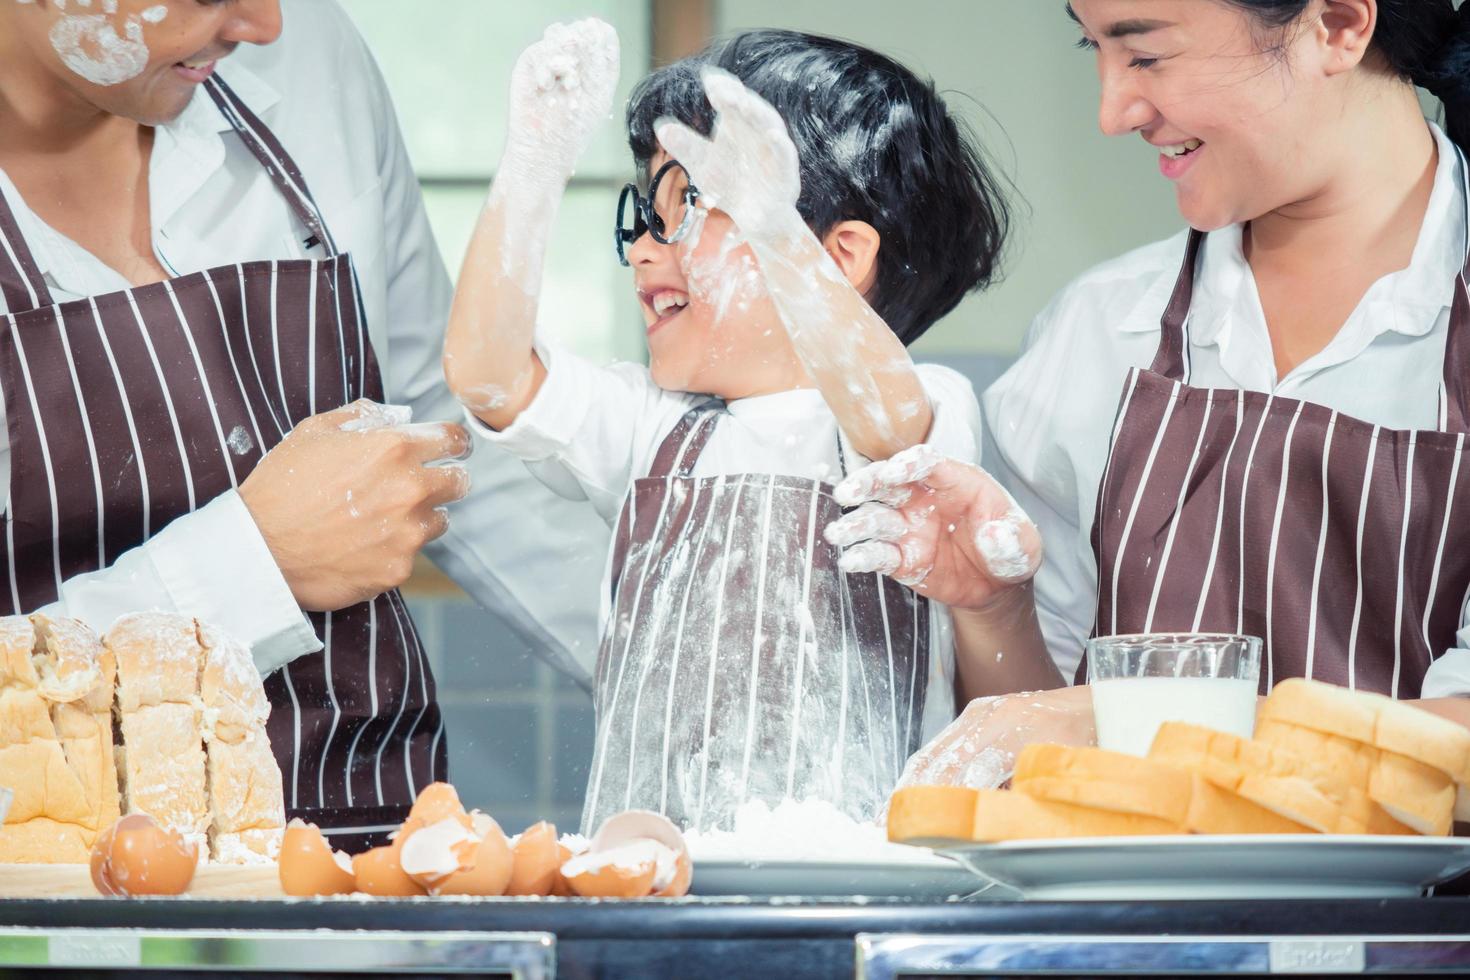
(617, 860)
(136, 856)
(537, 856)
(309, 866)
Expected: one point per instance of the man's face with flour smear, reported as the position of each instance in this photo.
(138, 59)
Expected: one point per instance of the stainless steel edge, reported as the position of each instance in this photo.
(520, 955)
(892, 955)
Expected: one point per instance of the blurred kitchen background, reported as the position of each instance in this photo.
(520, 733)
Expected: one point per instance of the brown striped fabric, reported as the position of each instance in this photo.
(131, 409)
(1339, 542)
(739, 663)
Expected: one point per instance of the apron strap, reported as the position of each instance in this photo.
(680, 449)
(273, 156)
(21, 282)
(1173, 338)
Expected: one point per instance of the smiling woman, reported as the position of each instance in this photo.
(1262, 425)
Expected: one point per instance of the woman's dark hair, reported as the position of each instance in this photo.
(1425, 41)
(876, 143)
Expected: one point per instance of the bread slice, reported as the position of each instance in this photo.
(1213, 810)
(1390, 759)
(1002, 815)
(1353, 760)
(54, 754)
(245, 794)
(1424, 737)
(922, 814)
(1277, 781)
(1324, 708)
(163, 772)
(1104, 780)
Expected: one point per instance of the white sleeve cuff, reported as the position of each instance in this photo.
(1448, 676)
(215, 565)
(549, 424)
(955, 429)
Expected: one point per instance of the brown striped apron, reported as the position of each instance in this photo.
(131, 409)
(1339, 542)
(738, 662)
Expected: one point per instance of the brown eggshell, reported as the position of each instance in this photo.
(135, 856)
(430, 855)
(378, 873)
(560, 887)
(633, 824)
(309, 866)
(611, 881)
(487, 866)
(537, 857)
(436, 802)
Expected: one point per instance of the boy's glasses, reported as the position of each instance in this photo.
(645, 218)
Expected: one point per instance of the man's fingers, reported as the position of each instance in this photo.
(366, 416)
(446, 484)
(435, 524)
(435, 441)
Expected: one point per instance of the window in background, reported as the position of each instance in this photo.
(520, 735)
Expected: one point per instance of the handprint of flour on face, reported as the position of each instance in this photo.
(90, 43)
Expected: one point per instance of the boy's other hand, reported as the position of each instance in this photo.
(560, 90)
(749, 167)
(943, 527)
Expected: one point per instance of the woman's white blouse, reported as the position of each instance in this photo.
(1049, 418)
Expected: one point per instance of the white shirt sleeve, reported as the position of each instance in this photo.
(212, 564)
(590, 429)
(955, 431)
(1025, 413)
(1449, 675)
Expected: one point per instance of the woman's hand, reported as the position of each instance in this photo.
(347, 499)
(560, 91)
(979, 748)
(748, 168)
(945, 528)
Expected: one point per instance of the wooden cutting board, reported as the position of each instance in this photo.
(212, 881)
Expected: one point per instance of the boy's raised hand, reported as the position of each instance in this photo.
(749, 167)
(560, 90)
(943, 526)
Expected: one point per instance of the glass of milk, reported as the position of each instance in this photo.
(1139, 682)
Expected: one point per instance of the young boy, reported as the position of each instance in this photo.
(807, 207)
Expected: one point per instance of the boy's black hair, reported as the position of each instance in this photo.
(877, 144)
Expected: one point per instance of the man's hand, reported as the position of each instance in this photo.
(347, 499)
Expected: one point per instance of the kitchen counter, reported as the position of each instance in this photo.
(768, 939)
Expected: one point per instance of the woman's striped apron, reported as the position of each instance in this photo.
(738, 663)
(130, 409)
(1339, 542)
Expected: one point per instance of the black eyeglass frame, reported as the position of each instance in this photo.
(646, 218)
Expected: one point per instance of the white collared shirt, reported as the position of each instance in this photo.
(1050, 417)
(592, 430)
(212, 204)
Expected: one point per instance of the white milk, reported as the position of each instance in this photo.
(1129, 710)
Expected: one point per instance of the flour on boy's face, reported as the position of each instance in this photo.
(712, 327)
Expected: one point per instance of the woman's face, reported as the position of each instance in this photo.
(1243, 113)
(139, 59)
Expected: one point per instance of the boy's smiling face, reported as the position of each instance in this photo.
(712, 327)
